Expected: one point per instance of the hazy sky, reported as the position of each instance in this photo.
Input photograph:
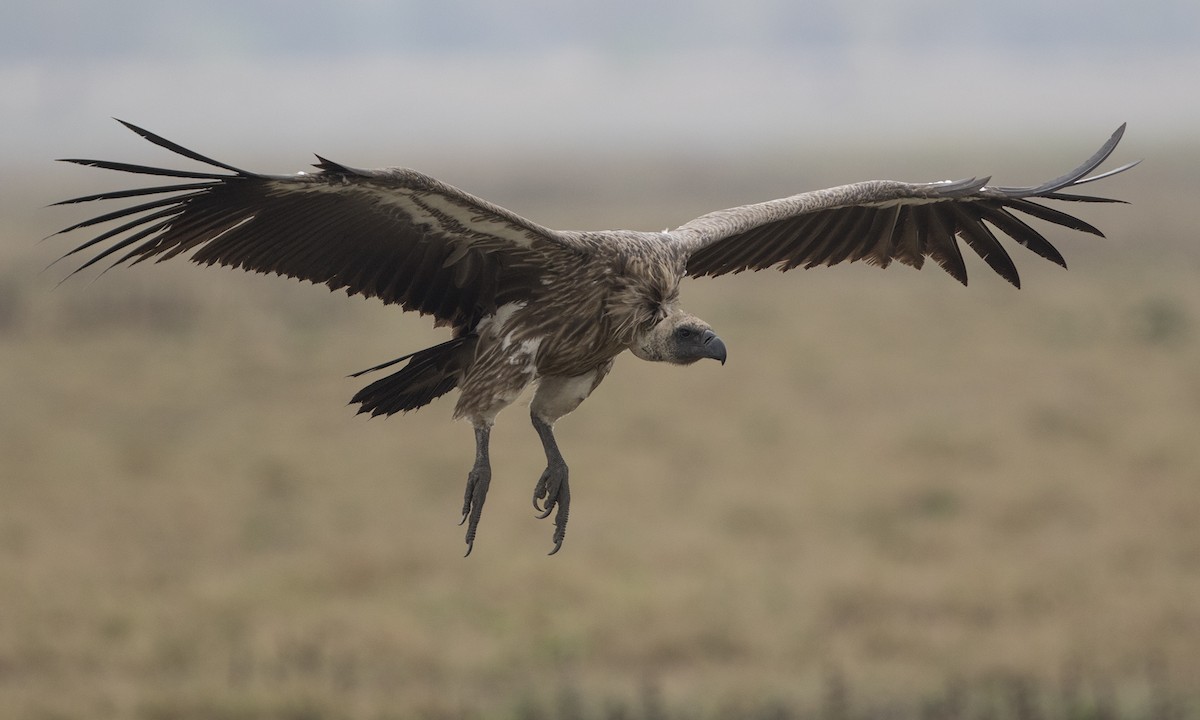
(379, 82)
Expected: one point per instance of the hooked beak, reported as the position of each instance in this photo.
(713, 347)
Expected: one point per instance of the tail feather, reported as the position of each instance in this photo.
(429, 374)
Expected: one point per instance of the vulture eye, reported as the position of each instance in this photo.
(683, 333)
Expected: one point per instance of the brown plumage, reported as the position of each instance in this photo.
(528, 304)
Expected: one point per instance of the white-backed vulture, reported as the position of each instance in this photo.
(528, 304)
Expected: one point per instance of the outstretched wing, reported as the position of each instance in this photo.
(392, 234)
(882, 221)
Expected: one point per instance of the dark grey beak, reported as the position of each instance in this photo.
(713, 347)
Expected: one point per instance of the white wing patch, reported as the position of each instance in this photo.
(499, 319)
(437, 213)
(471, 218)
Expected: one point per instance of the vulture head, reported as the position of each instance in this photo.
(680, 338)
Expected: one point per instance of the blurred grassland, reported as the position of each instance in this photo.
(896, 482)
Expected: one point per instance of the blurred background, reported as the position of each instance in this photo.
(900, 496)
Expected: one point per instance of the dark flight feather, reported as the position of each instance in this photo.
(396, 235)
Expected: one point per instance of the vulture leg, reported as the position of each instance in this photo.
(477, 484)
(556, 396)
(552, 486)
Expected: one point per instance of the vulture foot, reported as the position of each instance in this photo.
(555, 490)
(477, 485)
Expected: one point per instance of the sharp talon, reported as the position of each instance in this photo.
(540, 491)
(560, 519)
(470, 538)
(548, 490)
(460, 522)
(557, 547)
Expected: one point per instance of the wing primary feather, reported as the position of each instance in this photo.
(980, 239)
(135, 192)
(1073, 177)
(118, 230)
(175, 200)
(1069, 197)
(1051, 215)
(181, 150)
(147, 170)
(125, 242)
(141, 252)
(1107, 173)
(1021, 232)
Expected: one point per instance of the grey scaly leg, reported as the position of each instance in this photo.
(477, 484)
(552, 486)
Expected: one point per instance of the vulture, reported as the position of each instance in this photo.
(528, 305)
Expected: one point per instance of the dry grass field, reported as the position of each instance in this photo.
(898, 495)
